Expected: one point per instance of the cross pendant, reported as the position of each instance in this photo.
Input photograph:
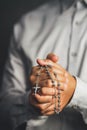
(36, 88)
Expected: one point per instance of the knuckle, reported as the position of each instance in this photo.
(43, 90)
(39, 100)
(31, 77)
(48, 62)
(66, 74)
(42, 112)
(65, 86)
(41, 107)
(49, 83)
(64, 79)
(52, 70)
(67, 81)
(33, 68)
(53, 91)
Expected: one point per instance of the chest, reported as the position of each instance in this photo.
(66, 36)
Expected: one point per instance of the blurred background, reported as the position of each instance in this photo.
(10, 13)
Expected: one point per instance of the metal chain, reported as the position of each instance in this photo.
(37, 87)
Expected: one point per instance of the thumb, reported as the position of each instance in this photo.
(52, 57)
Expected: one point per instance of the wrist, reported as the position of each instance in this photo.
(74, 83)
(74, 87)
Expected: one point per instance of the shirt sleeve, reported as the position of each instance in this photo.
(14, 105)
(79, 99)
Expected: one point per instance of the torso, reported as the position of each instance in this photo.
(46, 30)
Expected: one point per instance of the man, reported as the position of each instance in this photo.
(58, 27)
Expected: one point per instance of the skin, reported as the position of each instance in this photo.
(44, 100)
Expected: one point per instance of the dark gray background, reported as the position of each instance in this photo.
(10, 12)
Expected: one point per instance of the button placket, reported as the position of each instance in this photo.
(74, 45)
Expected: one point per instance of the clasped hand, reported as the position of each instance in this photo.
(47, 96)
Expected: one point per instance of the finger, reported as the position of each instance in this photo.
(48, 91)
(52, 69)
(41, 107)
(52, 57)
(56, 71)
(49, 62)
(51, 108)
(51, 111)
(34, 73)
(43, 99)
(48, 113)
(45, 77)
(34, 102)
(44, 107)
(42, 77)
(44, 62)
(35, 69)
(48, 87)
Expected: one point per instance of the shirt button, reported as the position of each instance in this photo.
(74, 54)
(77, 23)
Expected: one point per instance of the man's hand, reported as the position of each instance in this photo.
(67, 84)
(45, 97)
(44, 101)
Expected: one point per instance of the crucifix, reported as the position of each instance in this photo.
(36, 88)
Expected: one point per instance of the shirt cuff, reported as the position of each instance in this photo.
(79, 97)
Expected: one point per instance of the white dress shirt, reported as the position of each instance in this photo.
(58, 27)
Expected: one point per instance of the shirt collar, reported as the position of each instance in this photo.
(84, 1)
(65, 4)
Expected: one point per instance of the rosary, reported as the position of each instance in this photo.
(37, 87)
